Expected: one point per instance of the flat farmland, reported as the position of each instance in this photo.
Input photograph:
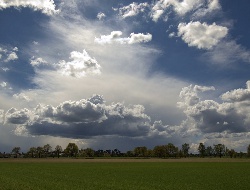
(147, 174)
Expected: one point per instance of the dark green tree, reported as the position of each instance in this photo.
(248, 151)
(171, 150)
(185, 148)
(71, 150)
(32, 151)
(89, 152)
(16, 151)
(231, 153)
(47, 149)
(160, 151)
(219, 149)
(209, 151)
(39, 151)
(202, 150)
(141, 151)
(58, 150)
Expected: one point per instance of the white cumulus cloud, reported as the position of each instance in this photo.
(115, 37)
(47, 7)
(198, 7)
(3, 84)
(37, 61)
(201, 35)
(81, 65)
(132, 9)
(11, 57)
(100, 15)
(209, 116)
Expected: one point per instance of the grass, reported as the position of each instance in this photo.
(125, 175)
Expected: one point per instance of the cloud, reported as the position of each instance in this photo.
(209, 116)
(8, 55)
(21, 96)
(1, 116)
(82, 119)
(36, 62)
(199, 7)
(212, 5)
(15, 49)
(227, 52)
(35, 43)
(237, 95)
(115, 37)
(201, 35)
(11, 57)
(81, 65)
(47, 7)
(17, 117)
(100, 15)
(132, 9)
(3, 84)
(5, 69)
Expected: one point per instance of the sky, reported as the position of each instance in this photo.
(109, 74)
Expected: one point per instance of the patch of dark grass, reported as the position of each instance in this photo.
(119, 175)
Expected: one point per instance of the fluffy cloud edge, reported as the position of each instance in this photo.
(47, 7)
(115, 37)
(201, 35)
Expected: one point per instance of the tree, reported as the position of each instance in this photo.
(219, 149)
(58, 150)
(47, 149)
(141, 151)
(39, 151)
(209, 151)
(160, 151)
(202, 149)
(185, 148)
(89, 152)
(171, 150)
(16, 151)
(248, 151)
(115, 152)
(71, 149)
(32, 150)
(231, 153)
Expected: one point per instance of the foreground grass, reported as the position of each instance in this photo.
(129, 175)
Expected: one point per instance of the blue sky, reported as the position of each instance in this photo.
(121, 74)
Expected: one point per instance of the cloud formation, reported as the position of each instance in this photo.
(100, 15)
(37, 62)
(201, 35)
(228, 52)
(81, 65)
(8, 55)
(162, 8)
(47, 7)
(209, 116)
(199, 8)
(132, 9)
(21, 96)
(81, 119)
(115, 37)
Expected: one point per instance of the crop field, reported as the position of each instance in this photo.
(144, 174)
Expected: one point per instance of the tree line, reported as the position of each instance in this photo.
(161, 151)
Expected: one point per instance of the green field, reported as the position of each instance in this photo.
(125, 175)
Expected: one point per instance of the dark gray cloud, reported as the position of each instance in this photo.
(17, 117)
(82, 119)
